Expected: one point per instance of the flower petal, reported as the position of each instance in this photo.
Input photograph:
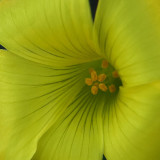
(154, 8)
(129, 39)
(32, 97)
(132, 125)
(78, 134)
(49, 32)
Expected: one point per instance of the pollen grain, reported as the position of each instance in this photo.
(102, 77)
(88, 81)
(115, 74)
(103, 87)
(94, 76)
(94, 90)
(112, 88)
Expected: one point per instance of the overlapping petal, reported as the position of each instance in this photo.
(42, 98)
(129, 39)
(32, 97)
(78, 134)
(56, 33)
(132, 125)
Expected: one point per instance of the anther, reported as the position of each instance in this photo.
(115, 74)
(94, 75)
(90, 70)
(103, 87)
(104, 64)
(112, 88)
(94, 90)
(88, 81)
(102, 77)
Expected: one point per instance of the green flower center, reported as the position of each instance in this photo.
(102, 77)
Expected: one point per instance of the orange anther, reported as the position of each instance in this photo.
(102, 77)
(94, 90)
(90, 70)
(112, 88)
(103, 87)
(104, 64)
(88, 81)
(94, 75)
(115, 74)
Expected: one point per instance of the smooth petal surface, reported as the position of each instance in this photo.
(56, 33)
(132, 125)
(129, 39)
(78, 134)
(32, 97)
(154, 8)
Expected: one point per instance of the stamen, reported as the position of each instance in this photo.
(102, 77)
(94, 90)
(94, 75)
(103, 87)
(112, 88)
(115, 74)
(90, 70)
(104, 64)
(88, 81)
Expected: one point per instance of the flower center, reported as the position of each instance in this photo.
(103, 78)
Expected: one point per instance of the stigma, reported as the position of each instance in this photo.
(103, 78)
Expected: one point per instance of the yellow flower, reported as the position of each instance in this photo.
(77, 89)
